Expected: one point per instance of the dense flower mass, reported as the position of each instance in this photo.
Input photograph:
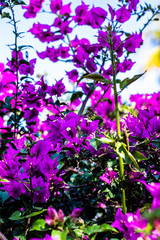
(75, 161)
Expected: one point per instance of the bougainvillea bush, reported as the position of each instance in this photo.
(76, 162)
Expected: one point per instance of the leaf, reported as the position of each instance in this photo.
(126, 155)
(23, 150)
(108, 140)
(127, 81)
(60, 235)
(139, 156)
(78, 232)
(6, 15)
(23, 61)
(95, 143)
(3, 180)
(19, 2)
(95, 228)
(24, 46)
(8, 99)
(96, 77)
(38, 225)
(8, 70)
(154, 214)
(3, 196)
(76, 95)
(17, 215)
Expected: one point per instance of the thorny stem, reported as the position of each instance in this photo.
(149, 20)
(100, 98)
(121, 164)
(84, 104)
(17, 81)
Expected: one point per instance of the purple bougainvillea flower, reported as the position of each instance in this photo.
(48, 166)
(133, 4)
(55, 5)
(96, 17)
(154, 189)
(120, 219)
(112, 12)
(133, 41)
(64, 28)
(91, 65)
(86, 89)
(72, 75)
(41, 190)
(33, 8)
(76, 212)
(62, 25)
(88, 127)
(65, 9)
(78, 60)
(14, 189)
(43, 33)
(104, 39)
(122, 14)
(54, 217)
(129, 223)
(31, 115)
(64, 51)
(125, 65)
(109, 176)
(51, 53)
(58, 89)
(26, 69)
(81, 13)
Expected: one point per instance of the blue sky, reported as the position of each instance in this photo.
(147, 84)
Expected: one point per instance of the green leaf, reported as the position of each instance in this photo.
(96, 77)
(38, 225)
(126, 155)
(154, 214)
(23, 150)
(76, 95)
(24, 47)
(5, 15)
(23, 61)
(3, 196)
(95, 228)
(57, 103)
(18, 215)
(139, 156)
(107, 100)
(78, 232)
(59, 234)
(95, 143)
(108, 140)
(3, 180)
(127, 81)
(8, 99)
(19, 2)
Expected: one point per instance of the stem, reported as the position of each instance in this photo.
(30, 178)
(121, 165)
(149, 20)
(84, 103)
(100, 98)
(16, 51)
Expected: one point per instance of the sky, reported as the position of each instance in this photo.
(147, 84)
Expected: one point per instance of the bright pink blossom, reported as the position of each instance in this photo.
(123, 14)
